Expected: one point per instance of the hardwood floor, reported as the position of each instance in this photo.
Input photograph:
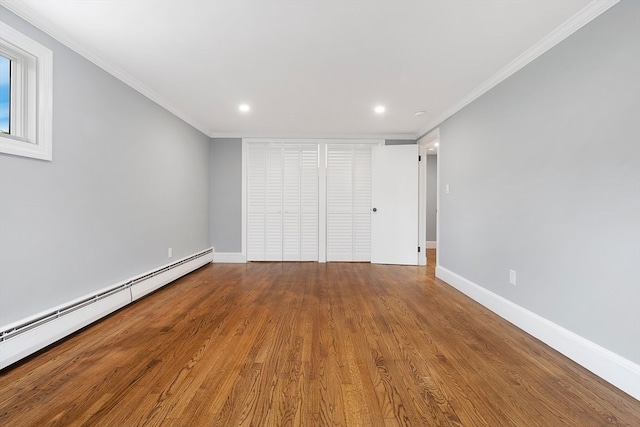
(306, 344)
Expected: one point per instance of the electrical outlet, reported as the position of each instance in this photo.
(512, 277)
(169, 252)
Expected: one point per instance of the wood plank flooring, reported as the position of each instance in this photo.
(306, 344)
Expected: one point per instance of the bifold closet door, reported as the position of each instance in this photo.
(273, 204)
(256, 192)
(348, 202)
(264, 203)
(300, 233)
(282, 202)
(309, 203)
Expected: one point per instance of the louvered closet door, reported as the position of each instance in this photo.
(339, 201)
(273, 204)
(282, 205)
(292, 214)
(256, 192)
(309, 203)
(300, 195)
(264, 203)
(348, 202)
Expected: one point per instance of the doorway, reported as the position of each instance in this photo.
(429, 195)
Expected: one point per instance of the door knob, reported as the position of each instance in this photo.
(375, 209)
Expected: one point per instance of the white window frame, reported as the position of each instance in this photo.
(31, 98)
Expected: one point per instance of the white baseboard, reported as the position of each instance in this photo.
(20, 339)
(621, 372)
(229, 257)
(431, 244)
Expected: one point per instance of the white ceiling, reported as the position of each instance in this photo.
(307, 68)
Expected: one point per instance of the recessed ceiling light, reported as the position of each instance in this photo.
(431, 149)
(436, 144)
(244, 108)
(420, 113)
(379, 109)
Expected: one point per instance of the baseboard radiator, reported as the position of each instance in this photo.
(23, 338)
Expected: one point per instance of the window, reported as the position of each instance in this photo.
(5, 93)
(25, 96)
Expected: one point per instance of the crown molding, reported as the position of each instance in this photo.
(570, 26)
(23, 11)
(310, 135)
(430, 137)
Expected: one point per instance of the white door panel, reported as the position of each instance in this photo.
(394, 224)
(309, 204)
(291, 203)
(256, 190)
(348, 202)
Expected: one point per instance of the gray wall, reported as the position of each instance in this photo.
(226, 194)
(544, 175)
(432, 189)
(127, 181)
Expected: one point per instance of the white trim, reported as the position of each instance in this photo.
(430, 137)
(308, 136)
(23, 11)
(229, 258)
(422, 202)
(14, 348)
(424, 140)
(608, 365)
(31, 96)
(374, 141)
(438, 204)
(573, 24)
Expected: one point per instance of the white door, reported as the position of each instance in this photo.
(394, 218)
